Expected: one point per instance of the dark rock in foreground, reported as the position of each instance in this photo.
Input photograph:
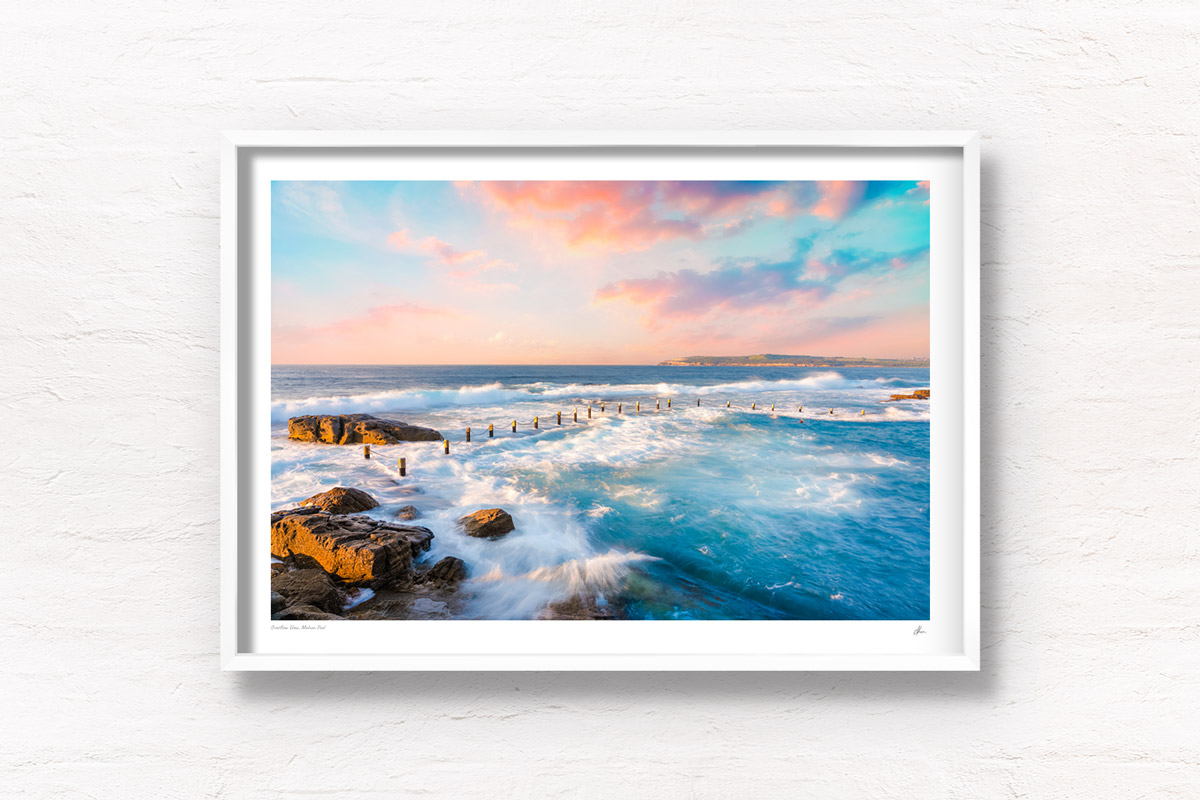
(488, 523)
(407, 512)
(304, 612)
(578, 607)
(309, 587)
(340, 500)
(357, 429)
(447, 573)
(354, 549)
(918, 394)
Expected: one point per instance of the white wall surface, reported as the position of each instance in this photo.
(109, 121)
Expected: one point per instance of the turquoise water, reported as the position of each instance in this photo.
(691, 512)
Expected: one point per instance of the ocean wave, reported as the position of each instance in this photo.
(496, 393)
(598, 573)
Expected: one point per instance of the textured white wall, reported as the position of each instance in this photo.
(108, 322)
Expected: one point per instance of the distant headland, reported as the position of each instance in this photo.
(773, 360)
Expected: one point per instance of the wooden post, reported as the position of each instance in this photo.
(560, 418)
(514, 426)
(657, 404)
(799, 409)
(446, 444)
(831, 411)
(618, 408)
(468, 434)
(668, 402)
(491, 433)
(577, 414)
(697, 402)
(535, 423)
(753, 406)
(602, 408)
(589, 412)
(772, 406)
(727, 404)
(403, 467)
(366, 451)
(639, 406)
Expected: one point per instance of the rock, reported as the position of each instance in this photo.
(488, 523)
(446, 573)
(340, 500)
(918, 394)
(428, 606)
(310, 587)
(357, 429)
(407, 512)
(277, 566)
(578, 607)
(304, 612)
(355, 549)
(291, 512)
(418, 601)
(278, 602)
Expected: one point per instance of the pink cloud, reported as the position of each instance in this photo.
(688, 294)
(920, 191)
(837, 198)
(603, 215)
(441, 251)
(761, 287)
(631, 216)
(378, 317)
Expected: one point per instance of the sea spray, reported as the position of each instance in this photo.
(688, 513)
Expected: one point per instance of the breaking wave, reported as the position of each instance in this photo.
(492, 394)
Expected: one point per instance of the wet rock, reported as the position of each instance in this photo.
(407, 512)
(342, 500)
(357, 429)
(310, 587)
(304, 612)
(579, 607)
(278, 602)
(918, 394)
(447, 573)
(292, 512)
(488, 523)
(354, 549)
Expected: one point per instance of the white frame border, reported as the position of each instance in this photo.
(966, 142)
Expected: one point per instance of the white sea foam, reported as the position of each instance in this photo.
(357, 597)
(497, 394)
(568, 487)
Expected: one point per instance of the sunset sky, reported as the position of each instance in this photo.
(596, 272)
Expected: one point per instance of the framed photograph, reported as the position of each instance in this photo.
(600, 401)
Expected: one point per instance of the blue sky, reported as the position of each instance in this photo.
(575, 272)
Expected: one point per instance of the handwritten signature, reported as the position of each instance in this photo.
(919, 631)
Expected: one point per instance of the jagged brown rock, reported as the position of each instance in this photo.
(357, 429)
(918, 394)
(354, 549)
(448, 572)
(342, 500)
(407, 512)
(487, 523)
(310, 587)
(304, 612)
(578, 607)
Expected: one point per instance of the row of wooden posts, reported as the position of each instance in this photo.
(403, 464)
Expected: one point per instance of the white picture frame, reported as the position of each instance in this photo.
(949, 640)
